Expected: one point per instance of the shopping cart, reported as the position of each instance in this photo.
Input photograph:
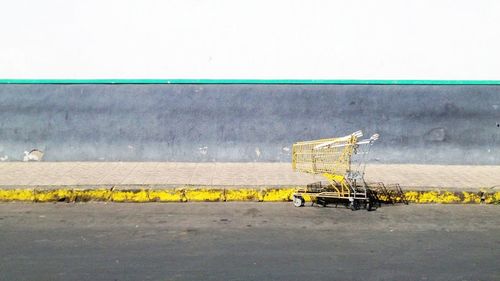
(342, 162)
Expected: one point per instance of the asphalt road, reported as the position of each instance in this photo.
(247, 241)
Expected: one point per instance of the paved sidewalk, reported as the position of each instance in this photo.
(92, 174)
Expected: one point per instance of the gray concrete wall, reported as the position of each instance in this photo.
(417, 124)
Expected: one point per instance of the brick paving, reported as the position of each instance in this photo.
(93, 174)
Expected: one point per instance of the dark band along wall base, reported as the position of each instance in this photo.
(448, 124)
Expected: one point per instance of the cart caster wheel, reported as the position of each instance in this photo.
(354, 205)
(298, 201)
(321, 202)
(369, 206)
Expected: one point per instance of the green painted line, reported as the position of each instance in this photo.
(251, 81)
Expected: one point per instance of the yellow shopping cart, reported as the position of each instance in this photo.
(342, 162)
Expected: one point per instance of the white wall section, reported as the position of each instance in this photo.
(252, 39)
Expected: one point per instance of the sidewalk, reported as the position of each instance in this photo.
(237, 175)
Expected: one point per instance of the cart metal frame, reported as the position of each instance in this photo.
(342, 162)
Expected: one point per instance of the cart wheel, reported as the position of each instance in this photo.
(322, 202)
(369, 206)
(354, 205)
(298, 201)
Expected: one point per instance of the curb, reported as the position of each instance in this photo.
(190, 194)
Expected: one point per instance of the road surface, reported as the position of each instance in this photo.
(247, 241)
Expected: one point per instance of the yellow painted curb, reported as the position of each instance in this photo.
(219, 195)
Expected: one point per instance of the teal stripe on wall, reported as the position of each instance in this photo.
(250, 81)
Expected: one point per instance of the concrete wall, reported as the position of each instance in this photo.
(417, 124)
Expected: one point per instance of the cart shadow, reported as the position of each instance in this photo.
(342, 204)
